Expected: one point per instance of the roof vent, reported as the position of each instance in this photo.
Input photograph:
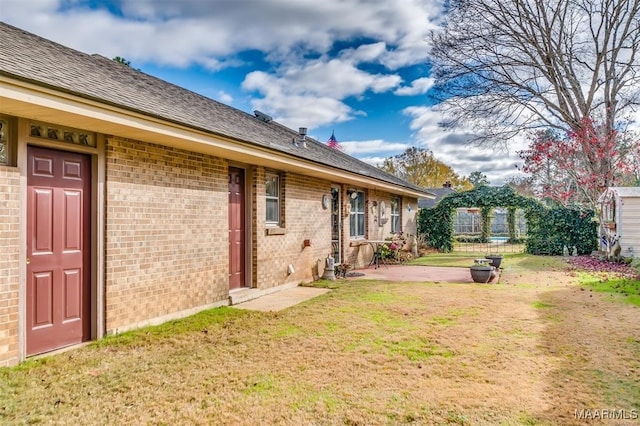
(302, 137)
(262, 116)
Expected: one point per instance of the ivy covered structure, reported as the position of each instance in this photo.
(549, 230)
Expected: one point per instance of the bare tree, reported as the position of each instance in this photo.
(513, 66)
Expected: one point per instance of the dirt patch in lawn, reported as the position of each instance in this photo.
(532, 349)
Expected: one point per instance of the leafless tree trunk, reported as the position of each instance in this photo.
(508, 66)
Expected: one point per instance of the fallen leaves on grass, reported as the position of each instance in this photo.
(594, 264)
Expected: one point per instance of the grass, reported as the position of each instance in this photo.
(514, 261)
(541, 305)
(522, 262)
(446, 259)
(367, 352)
(626, 289)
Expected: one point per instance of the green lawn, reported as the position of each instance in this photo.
(367, 352)
(515, 261)
(626, 289)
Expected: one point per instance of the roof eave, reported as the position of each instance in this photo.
(35, 101)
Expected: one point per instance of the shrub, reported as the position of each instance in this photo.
(463, 238)
(550, 230)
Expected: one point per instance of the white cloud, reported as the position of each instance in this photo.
(453, 147)
(304, 111)
(224, 97)
(377, 146)
(374, 161)
(314, 91)
(336, 78)
(418, 87)
(364, 53)
(195, 31)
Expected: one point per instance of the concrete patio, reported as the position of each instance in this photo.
(286, 298)
(415, 273)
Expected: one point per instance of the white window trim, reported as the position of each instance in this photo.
(397, 213)
(277, 197)
(362, 213)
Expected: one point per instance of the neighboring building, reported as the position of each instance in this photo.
(437, 195)
(621, 214)
(126, 200)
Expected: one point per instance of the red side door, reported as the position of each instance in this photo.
(236, 228)
(58, 249)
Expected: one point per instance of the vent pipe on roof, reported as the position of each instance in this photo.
(302, 137)
(302, 131)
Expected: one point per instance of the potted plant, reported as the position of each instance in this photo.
(482, 273)
(496, 259)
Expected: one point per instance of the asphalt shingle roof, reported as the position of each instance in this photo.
(31, 58)
(427, 203)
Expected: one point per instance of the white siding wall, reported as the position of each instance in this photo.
(629, 225)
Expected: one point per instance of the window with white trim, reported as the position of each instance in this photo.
(272, 195)
(396, 222)
(357, 215)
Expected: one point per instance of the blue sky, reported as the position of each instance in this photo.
(356, 67)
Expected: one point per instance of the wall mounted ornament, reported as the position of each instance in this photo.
(325, 201)
(383, 217)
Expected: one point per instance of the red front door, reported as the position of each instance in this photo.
(58, 250)
(236, 228)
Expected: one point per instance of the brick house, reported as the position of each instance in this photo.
(126, 200)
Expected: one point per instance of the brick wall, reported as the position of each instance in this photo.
(166, 232)
(359, 254)
(303, 219)
(9, 258)
(409, 218)
(167, 236)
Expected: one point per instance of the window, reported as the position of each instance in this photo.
(610, 211)
(356, 215)
(273, 199)
(74, 136)
(396, 224)
(4, 141)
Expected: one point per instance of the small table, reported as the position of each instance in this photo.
(376, 245)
